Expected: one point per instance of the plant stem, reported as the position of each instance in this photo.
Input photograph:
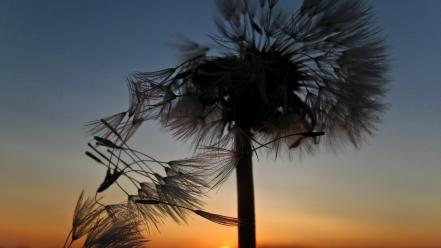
(245, 191)
(70, 243)
(67, 239)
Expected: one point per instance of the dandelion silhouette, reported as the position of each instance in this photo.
(278, 82)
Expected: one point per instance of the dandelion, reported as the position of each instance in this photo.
(86, 212)
(123, 233)
(280, 81)
(172, 188)
(216, 218)
(220, 219)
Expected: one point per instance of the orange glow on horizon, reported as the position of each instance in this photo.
(225, 246)
(47, 226)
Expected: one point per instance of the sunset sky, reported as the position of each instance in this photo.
(64, 63)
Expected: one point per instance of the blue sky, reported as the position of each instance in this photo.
(63, 63)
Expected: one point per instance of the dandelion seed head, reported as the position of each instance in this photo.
(322, 69)
(85, 214)
(287, 81)
(122, 233)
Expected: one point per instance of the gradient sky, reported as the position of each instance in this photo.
(63, 63)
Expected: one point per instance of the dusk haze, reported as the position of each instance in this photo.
(220, 124)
